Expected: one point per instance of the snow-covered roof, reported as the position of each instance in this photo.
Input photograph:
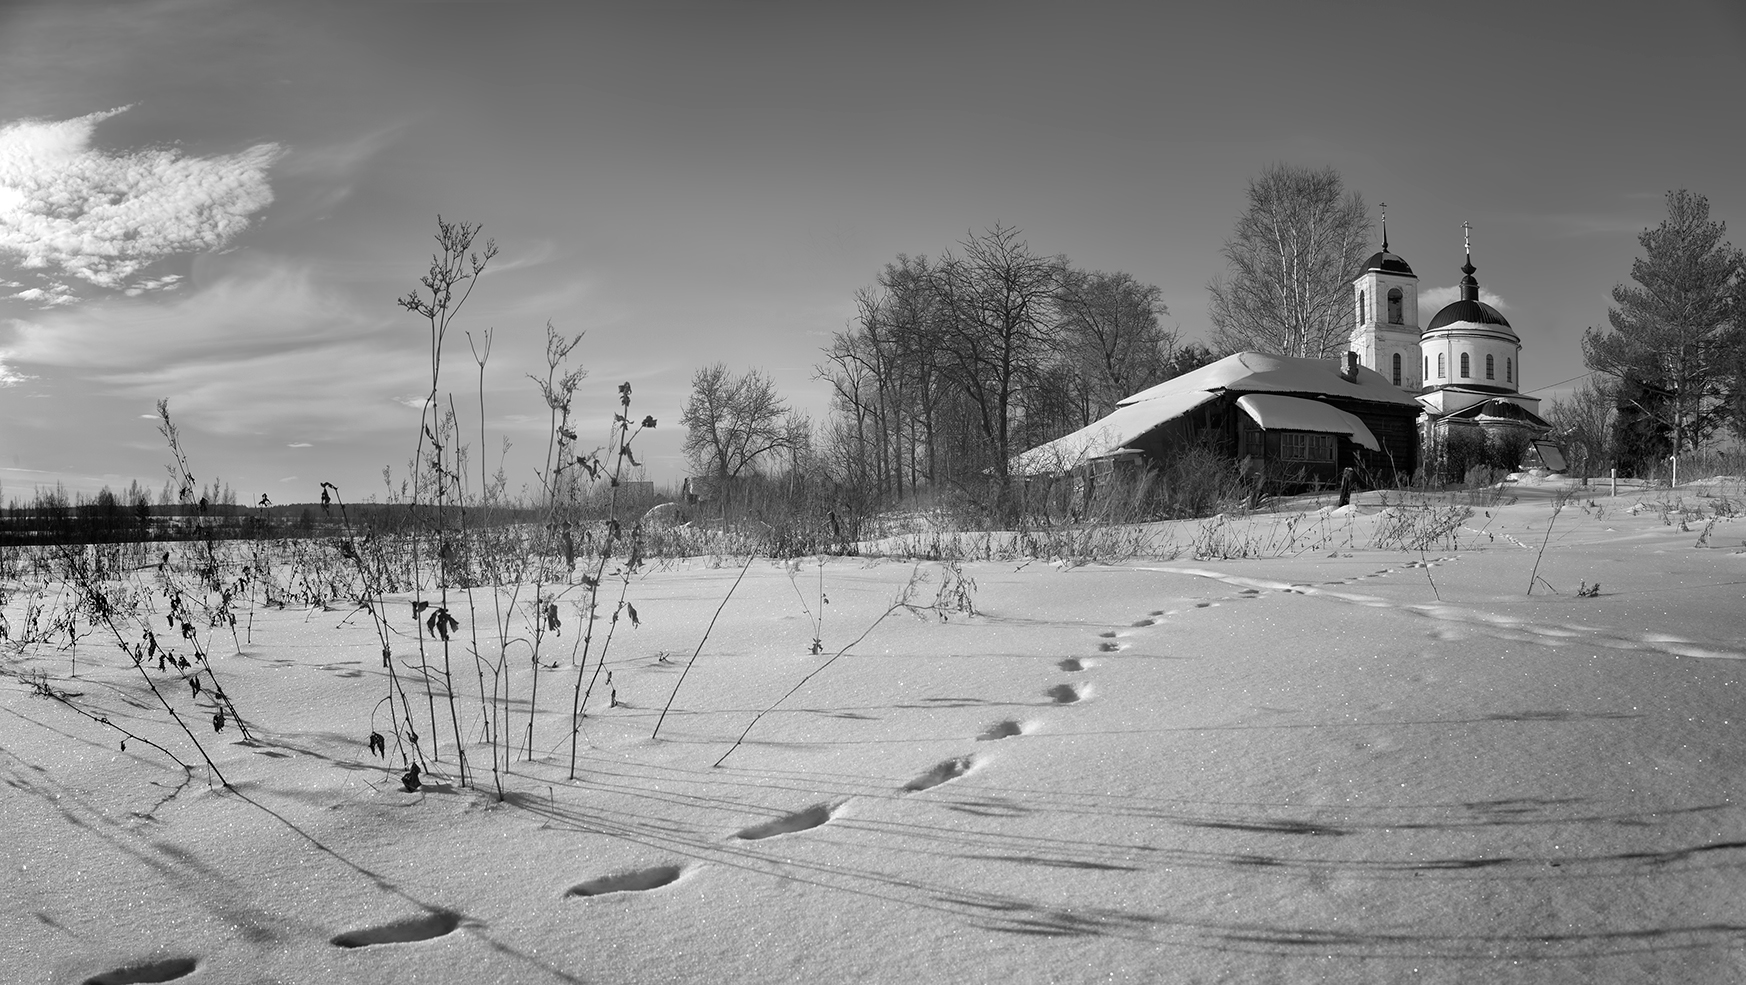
(1273, 411)
(1106, 435)
(1252, 372)
(1246, 372)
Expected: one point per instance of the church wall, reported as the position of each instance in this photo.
(1477, 346)
(1375, 339)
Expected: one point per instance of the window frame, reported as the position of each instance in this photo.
(1308, 446)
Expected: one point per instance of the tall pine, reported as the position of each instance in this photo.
(1675, 339)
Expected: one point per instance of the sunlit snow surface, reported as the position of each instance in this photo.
(1346, 763)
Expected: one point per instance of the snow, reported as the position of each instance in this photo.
(1297, 414)
(1337, 758)
(1263, 372)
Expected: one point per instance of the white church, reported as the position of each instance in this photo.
(1465, 367)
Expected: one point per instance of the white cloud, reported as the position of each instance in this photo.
(10, 377)
(1433, 299)
(300, 444)
(168, 282)
(103, 216)
(54, 295)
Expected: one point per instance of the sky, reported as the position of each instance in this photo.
(218, 203)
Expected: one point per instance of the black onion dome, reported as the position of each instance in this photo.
(1469, 309)
(1388, 263)
(1477, 312)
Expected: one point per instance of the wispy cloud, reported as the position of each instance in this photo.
(101, 217)
(11, 377)
(300, 444)
(1432, 300)
(266, 347)
(1575, 225)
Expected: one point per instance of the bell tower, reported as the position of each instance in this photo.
(1385, 313)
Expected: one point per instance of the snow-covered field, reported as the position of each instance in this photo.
(1350, 763)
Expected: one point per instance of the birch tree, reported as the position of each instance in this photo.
(1291, 261)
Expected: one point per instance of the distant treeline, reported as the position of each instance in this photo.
(108, 520)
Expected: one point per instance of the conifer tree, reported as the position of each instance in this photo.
(1676, 337)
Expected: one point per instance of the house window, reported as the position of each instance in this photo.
(1394, 315)
(1439, 365)
(1397, 369)
(1488, 373)
(1464, 373)
(1300, 446)
(1254, 442)
(1360, 307)
(1509, 370)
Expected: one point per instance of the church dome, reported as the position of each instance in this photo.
(1469, 309)
(1464, 310)
(1388, 263)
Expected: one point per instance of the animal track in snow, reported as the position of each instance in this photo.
(1063, 694)
(1204, 605)
(1071, 665)
(635, 881)
(157, 970)
(949, 770)
(436, 923)
(1110, 635)
(1109, 647)
(803, 820)
(1001, 730)
(1141, 623)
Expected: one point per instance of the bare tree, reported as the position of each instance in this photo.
(999, 330)
(1112, 341)
(735, 425)
(1583, 422)
(1292, 257)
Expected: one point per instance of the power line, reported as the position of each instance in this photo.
(1561, 382)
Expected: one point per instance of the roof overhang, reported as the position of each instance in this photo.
(1274, 412)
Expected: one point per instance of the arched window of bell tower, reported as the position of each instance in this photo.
(1509, 370)
(1397, 369)
(1394, 313)
(1360, 307)
(1489, 374)
(1464, 373)
(1440, 366)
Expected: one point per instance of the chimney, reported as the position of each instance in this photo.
(1349, 372)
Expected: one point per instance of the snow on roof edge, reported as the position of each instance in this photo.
(1260, 371)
